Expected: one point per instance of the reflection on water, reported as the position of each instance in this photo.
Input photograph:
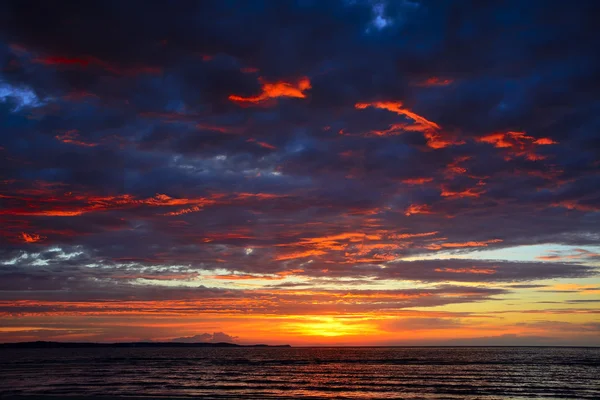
(354, 373)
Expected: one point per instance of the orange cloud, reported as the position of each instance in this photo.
(299, 254)
(457, 245)
(396, 107)
(277, 89)
(378, 246)
(454, 167)
(544, 141)
(43, 202)
(519, 143)
(394, 129)
(72, 137)
(575, 254)
(31, 237)
(241, 234)
(417, 181)
(412, 235)
(241, 277)
(472, 270)
(214, 199)
(470, 192)
(436, 139)
(418, 209)
(258, 196)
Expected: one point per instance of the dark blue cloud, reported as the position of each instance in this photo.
(119, 137)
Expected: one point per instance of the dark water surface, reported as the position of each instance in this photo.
(281, 373)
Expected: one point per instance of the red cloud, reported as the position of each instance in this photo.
(470, 192)
(45, 202)
(518, 143)
(87, 61)
(574, 205)
(458, 245)
(436, 140)
(31, 237)
(355, 247)
(277, 89)
(262, 144)
(299, 254)
(83, 62)
(396, 107)
(418, 209)
(417, 181)
(435, 81)
(544, 141)
(432, 131)
(472, 270)
(454, 167)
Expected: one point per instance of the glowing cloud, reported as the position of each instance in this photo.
(436, 139)
(518, 143)
(418, 209)
(69, 204)
(575, 254)
(454, 168)
(458, 245)
(275, 90)
(417, 181)
(31, 237)
(396, 107)
(354, 246)
(472, 270)
(469, 192)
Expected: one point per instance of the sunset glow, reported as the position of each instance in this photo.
(300, 172)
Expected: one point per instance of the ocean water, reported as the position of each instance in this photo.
(282, 373)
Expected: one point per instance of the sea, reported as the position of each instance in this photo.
(304, 373)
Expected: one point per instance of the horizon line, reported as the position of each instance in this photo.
(229, 344)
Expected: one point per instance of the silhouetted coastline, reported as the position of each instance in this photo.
(76, 345)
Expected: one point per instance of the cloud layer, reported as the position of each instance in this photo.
(293, 158)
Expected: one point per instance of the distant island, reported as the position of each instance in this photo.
(79, 345)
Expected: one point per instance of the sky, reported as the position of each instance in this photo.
(306, 172)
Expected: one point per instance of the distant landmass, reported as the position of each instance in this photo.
(77, 345)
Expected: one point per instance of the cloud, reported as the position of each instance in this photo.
(575, 254)
(71, 137)
(277, 89)
(295, 149)
(215, 337)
